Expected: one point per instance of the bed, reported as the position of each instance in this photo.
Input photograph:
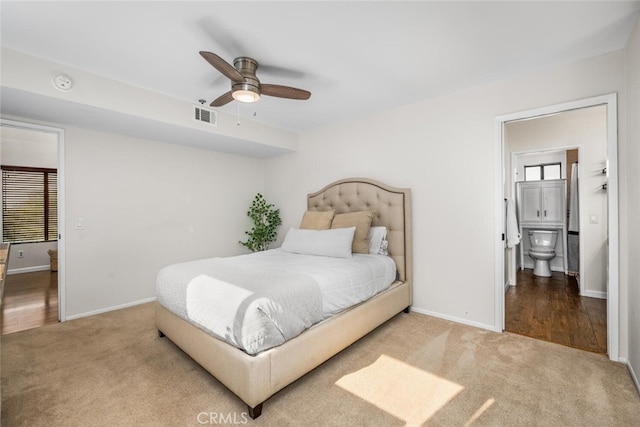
(256, 375)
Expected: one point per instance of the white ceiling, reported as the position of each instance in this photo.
(356, 58)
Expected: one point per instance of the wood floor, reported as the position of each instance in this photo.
(30, 300)
(551, 309)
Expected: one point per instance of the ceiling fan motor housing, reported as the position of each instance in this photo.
(247, 67)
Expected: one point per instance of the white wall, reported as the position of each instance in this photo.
(145, 205)
(630, 212)
(443, 149)
(20, 147)
(586, 128)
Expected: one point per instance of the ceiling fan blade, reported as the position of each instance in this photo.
(223, 66)
(222, 100)
(284, 91)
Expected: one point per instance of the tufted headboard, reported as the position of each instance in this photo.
(391, 208)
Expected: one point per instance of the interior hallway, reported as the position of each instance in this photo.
(30, 300)
(551, 309)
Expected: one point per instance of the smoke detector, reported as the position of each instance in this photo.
(62, 82)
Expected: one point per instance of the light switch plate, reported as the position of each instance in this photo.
(79, 224)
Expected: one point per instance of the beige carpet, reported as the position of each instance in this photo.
(113, 370)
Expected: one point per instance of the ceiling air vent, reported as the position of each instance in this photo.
(204, 115)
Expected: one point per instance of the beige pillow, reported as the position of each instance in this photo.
(362, 221)
(317, 220)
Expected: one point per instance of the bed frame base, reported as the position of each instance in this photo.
(256, 378)
(255, 412)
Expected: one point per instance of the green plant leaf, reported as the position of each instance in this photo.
(266, 220)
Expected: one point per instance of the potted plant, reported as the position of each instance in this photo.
(266, 219)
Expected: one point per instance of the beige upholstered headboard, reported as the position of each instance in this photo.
(391, 207)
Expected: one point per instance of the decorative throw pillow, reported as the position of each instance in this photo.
(333, 243)
(384, 248)
(317, 220)
(376, 237)
(362, 221)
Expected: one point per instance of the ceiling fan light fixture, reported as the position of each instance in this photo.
(246, 91)
(246, 95)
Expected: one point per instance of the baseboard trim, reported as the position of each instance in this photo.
(634, 377)
(112, 308)
(29, 269)
(456, 319)
(595, 294)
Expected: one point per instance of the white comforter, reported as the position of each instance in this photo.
(260, 300)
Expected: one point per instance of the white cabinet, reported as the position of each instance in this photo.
(542, 202)
(542, 205)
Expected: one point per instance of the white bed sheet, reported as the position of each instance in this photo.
(343, 282)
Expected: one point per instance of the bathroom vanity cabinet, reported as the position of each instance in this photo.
(542, 205)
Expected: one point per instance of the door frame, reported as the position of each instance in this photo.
(61, 205)
(613, 267)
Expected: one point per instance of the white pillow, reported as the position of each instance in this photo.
(334, 242)
(376, 236)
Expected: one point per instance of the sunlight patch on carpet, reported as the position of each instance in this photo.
(402, 390)
(480, 411)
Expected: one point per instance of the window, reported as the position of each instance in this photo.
(540, 172)
(29, 204)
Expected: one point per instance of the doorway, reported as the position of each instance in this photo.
(505, 272)
(35, 259)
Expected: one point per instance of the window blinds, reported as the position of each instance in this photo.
(29, 204)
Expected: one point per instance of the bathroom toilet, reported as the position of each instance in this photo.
(543, 250)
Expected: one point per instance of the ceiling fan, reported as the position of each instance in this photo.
(245, 86)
